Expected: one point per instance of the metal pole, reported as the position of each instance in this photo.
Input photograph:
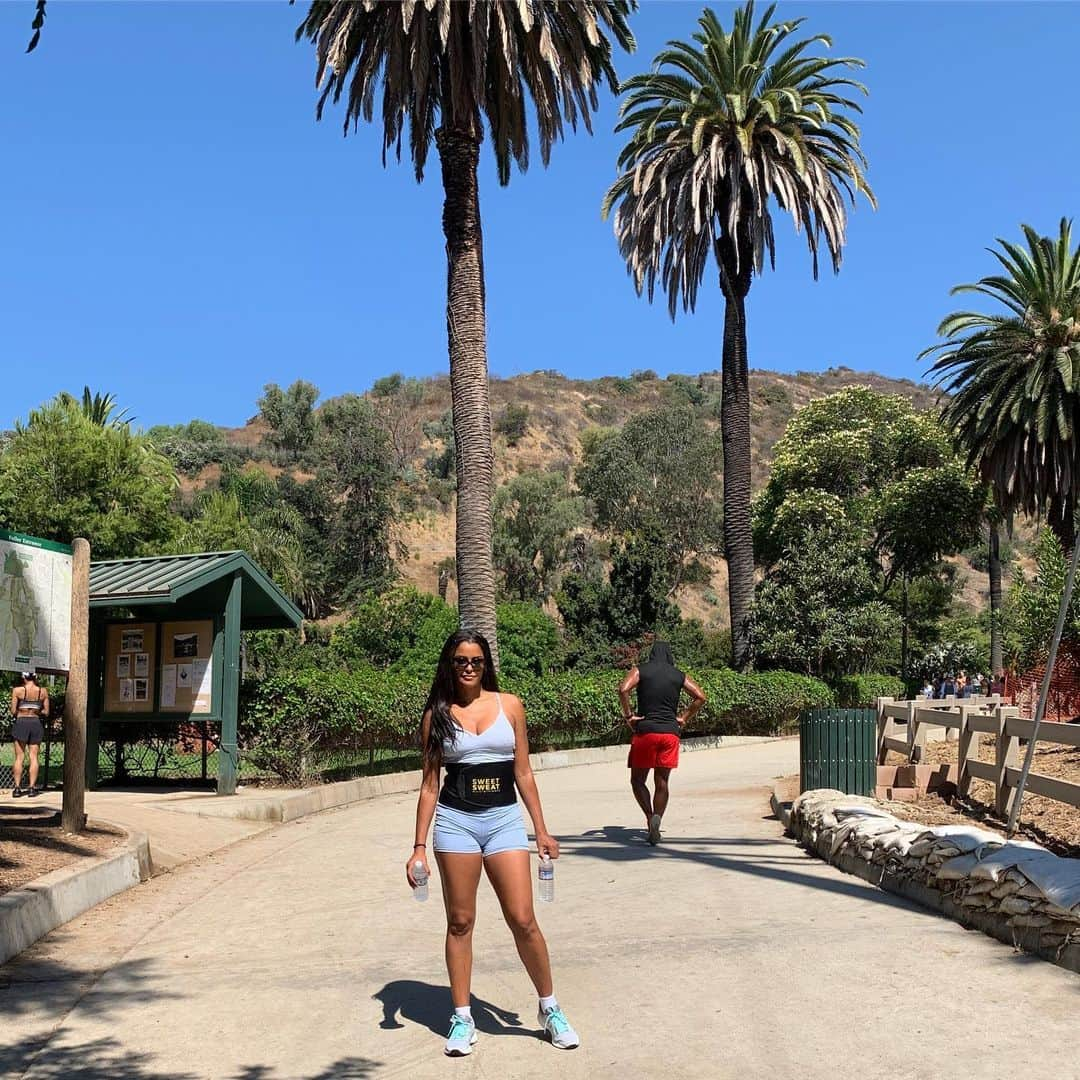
(73, 807)
(1044, 692)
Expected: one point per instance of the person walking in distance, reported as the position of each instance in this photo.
(657, 726)
(30, 709)
(478, 736)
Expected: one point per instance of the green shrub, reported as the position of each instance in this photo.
(290, 723)
(513, 423)
(764, 703)
(294, 721)
(529, 642)
(401, 629)
(857, 691)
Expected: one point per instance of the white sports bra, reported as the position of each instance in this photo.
(495, 743)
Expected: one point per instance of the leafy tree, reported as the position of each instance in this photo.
(816, 611)
(1033, 606)
(397, 402)
(443, 68)
(290, 415)
(513, 423)
(530, 640)
(401, 629)
(657, 476)
(871, 463)
(246, 512)
(535, 517)
(192, 446)
(356, 476)
(62, 475)
(633, 601)
(718, 128)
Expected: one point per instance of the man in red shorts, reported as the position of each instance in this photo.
(657, 725)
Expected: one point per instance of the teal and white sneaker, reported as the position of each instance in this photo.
(558, 1028)
(462, 1036)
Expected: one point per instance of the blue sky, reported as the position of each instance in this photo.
(177, 228)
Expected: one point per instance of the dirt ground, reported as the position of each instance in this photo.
(32, 843)
(1054, 824)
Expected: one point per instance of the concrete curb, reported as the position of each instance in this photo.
(1023, 939)
(30, 912)
(294, 805)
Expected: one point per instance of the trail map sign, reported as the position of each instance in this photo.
(35, 603)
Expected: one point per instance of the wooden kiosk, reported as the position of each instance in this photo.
(165, 643)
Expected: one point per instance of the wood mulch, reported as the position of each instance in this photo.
(32, 843)
(1051, 823)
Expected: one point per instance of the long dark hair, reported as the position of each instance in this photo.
(442, 693)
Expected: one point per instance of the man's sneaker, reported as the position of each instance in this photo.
(558, 1028)
(18, 793)
(654, 829)
(33, 792)
(462, 1036)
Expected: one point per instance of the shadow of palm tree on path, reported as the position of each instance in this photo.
(616, 843)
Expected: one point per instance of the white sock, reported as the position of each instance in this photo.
(548, 1003)
(463, 1010)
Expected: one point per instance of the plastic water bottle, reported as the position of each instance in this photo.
(421, 878)
(546, 874)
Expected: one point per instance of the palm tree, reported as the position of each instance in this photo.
(720, 128)
(443, 69)
(99, 409)
(1014, 378)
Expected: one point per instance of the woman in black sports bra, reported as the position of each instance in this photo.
(30, 709)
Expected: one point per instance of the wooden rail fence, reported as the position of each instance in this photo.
(904, 726)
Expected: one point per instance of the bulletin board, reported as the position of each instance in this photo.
(187, 667)
(158, 670)
(130, 663)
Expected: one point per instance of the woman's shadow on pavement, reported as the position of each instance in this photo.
(428, 1005)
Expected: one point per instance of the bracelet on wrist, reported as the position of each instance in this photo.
(415, 846)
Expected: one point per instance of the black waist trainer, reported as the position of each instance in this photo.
(479, 787)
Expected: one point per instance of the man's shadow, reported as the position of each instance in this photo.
(427, 1005)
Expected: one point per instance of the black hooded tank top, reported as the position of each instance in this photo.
(658, 691)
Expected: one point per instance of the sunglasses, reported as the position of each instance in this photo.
(463, 662)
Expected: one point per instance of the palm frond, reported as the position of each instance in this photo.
(722, 130)
(1014, 379)
(462, 65)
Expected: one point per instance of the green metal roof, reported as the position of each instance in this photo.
(165, 580)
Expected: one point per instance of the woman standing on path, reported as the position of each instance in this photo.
(657, 726)
(30, 708)
(479, 736)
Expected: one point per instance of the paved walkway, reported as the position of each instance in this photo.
(727, 952)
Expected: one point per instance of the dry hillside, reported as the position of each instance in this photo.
(561, 409)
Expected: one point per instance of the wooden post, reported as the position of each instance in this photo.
(1006, 756)
(230, 689)
(73, 811)
(882, 728)
(916, 735)
(964, 754)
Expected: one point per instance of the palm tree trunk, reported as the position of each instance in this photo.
(735, 424)
(466, 330)
(994, 566)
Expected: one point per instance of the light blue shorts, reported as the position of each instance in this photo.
(488, 832)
